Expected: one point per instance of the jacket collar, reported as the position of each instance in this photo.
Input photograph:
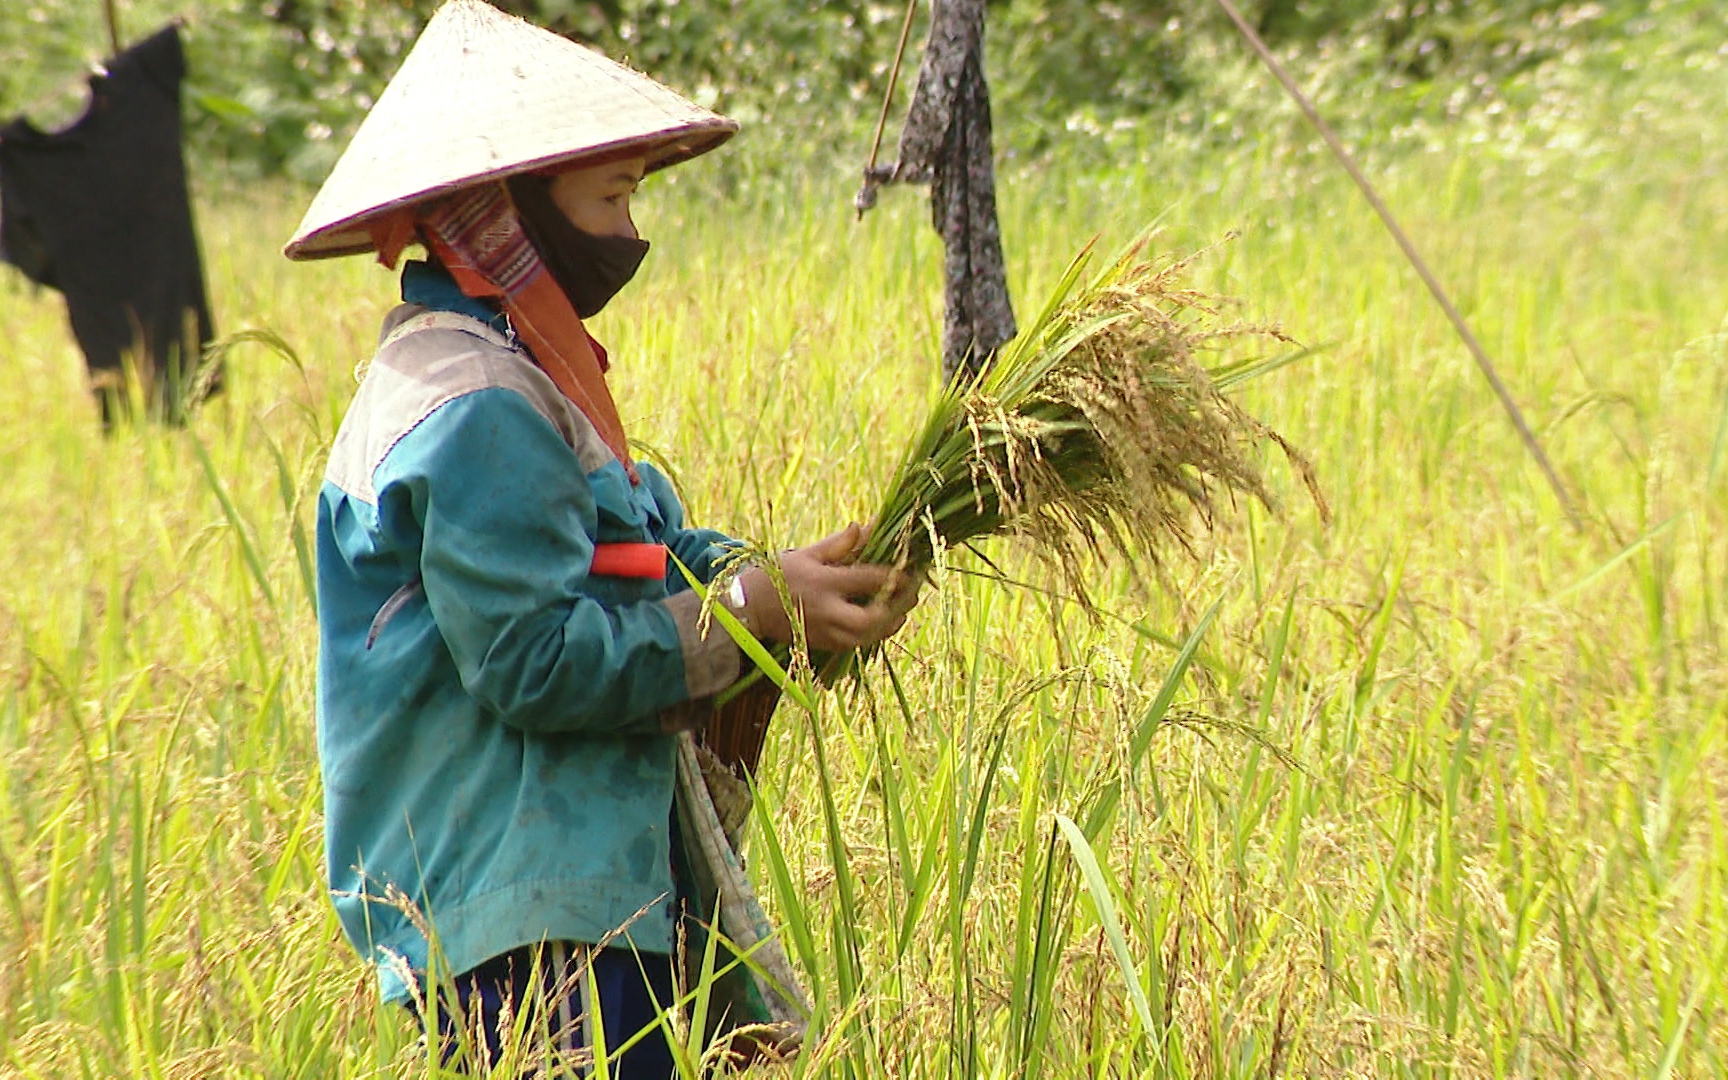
(431, 286)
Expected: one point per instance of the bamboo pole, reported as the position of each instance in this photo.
(866, 197)
(1434, 287)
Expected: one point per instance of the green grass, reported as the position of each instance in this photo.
(1438, 791)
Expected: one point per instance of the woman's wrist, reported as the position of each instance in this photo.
(760, 610)
(737, 600)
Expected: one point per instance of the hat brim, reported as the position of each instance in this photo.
(352, 237)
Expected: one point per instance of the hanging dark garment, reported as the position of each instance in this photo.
(100, 212)
(946, 144)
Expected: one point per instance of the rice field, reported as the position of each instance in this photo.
(1435, 789)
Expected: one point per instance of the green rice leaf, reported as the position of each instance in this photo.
(1105, 904)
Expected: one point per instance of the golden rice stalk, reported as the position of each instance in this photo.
(1095, 429)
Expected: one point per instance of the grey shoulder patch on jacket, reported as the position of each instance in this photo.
(427, 359)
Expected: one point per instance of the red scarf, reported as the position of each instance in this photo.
(478, 237)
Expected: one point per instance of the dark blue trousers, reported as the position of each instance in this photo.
(551, 978)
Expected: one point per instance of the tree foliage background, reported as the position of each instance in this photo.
(277, 84)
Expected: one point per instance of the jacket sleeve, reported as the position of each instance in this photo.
(704, 551)
(506, 517)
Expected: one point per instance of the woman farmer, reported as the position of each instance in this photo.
(506, 651)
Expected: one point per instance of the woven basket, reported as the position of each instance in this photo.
(758, 1007)
(736, 732)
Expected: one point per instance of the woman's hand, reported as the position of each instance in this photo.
(844, 605)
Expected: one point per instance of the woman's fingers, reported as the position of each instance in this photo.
(839, 547)
(863, 582)
(906, 590)
(843, 604)
(833, 623)
(837, 621)
(892, 627)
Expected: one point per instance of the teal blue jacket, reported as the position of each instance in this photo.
(495, 722)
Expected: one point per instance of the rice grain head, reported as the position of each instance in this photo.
(1097, 431)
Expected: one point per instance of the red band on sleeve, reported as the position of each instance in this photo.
(629, 560)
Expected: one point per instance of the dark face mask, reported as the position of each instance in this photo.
(590, 269)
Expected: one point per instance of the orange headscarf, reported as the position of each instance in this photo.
(478, 236)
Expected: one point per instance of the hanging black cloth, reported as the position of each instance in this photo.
(946, 143)
(100, 212)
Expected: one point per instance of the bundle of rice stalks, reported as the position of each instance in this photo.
(1096, 429)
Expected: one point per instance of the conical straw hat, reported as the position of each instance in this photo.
(484, 95)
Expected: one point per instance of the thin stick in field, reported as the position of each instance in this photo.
(1427, 276)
